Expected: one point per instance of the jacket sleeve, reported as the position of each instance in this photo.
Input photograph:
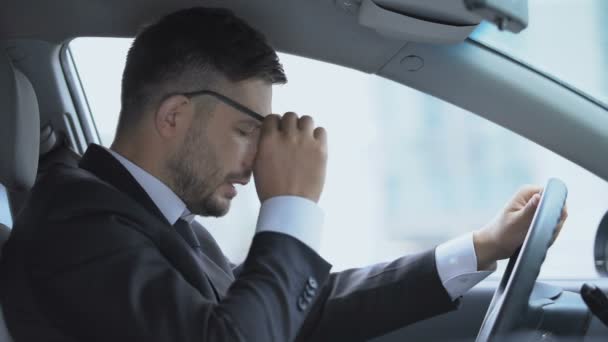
(99, 279)
(360, 304)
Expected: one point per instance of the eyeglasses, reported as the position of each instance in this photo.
(226, 100)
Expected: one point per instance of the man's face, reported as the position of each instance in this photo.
(219, 149)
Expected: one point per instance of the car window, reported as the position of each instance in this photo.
(5, 212)
(406, 171)
(567, 39)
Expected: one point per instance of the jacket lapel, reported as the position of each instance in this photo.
(204, 274)
(101, 163)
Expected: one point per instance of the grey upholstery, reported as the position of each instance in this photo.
(19, 141)
(4, 335)
(19, 128)
(4, 233)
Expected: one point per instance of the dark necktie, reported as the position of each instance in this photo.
(185, 230)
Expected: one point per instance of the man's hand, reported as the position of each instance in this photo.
(503, 235)
(291, 158)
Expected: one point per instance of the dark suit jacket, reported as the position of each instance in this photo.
(91, 258)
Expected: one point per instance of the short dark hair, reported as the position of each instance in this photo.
(187, 50)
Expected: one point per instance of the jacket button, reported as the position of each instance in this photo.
(312, 283)
(309, 292)
(302, 303)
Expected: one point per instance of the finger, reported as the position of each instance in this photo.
(289, 123)
(560, 223)
(527, 191)
(531, 188)
(270, 124)
(306, 124)
(564, 215)
(320, 134)
(555, 235)
(532, 203)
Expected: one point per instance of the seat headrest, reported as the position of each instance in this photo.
(19, 128)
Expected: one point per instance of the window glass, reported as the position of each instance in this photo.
(567, 39)
(5, 211)
(406, 171)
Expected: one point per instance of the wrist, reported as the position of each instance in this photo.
(484, 250)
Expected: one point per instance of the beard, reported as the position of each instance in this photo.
(194, 174)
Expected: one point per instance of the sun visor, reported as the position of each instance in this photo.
(438, 21)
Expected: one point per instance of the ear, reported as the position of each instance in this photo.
(173, 116)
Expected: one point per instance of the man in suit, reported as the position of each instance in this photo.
(109, 250)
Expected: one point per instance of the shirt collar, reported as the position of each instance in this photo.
(169, 204)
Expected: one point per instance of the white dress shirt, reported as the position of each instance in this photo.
(302, 218)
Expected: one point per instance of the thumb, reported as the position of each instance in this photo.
(532, 204)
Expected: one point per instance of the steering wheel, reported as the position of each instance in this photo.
(510, 304)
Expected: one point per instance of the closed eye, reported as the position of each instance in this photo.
(247, 129)
(243, 132)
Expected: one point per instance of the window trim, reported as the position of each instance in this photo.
(518, 61)
(79, 99)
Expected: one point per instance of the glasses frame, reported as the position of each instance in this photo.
(234, 104)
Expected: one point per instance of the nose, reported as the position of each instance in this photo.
(250, 155)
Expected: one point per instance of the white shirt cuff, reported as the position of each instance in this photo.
(292, 215)
(457, 266)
